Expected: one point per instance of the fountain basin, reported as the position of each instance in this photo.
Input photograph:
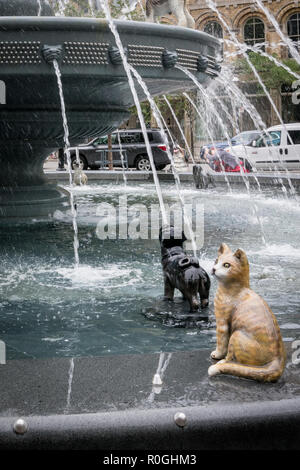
(114, 407)
(109, 318)
(96, 90)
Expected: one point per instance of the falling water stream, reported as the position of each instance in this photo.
(91, 5)
(70, 382)
(243, 175)
(157, 116)
(180, 128)
(129, 71)
(251, 110)
(285, 39)
(69, 161)
(259, 124)
(122, 158)
(119, 44)
(203, 120)
(258, 49)
(213, 7)
(39, 7)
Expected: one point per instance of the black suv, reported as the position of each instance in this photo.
(95, 154)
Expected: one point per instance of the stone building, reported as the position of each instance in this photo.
(251, 25)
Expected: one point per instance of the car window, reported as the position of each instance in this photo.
(246, 138)
(294, 137)
(130, 138)
(150, 136)
(104, 140)
(141, 137)
(273, 138)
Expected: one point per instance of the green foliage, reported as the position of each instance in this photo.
(272, 75)
(146, 110)
(179, 104)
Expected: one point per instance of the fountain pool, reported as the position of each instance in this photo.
(111, 304)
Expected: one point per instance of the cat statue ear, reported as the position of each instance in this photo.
(223, 249)
(241, 256)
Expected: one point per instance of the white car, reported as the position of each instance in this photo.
(277, 148)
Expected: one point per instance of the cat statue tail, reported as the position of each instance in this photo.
(268, 373)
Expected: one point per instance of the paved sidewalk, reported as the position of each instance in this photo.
(51, 165)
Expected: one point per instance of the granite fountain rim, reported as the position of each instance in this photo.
(26, 23)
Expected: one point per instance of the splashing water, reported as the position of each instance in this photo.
(163, 363)
(69, 161)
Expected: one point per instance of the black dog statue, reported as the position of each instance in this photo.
(182, 272)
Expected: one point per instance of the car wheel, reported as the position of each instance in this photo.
(143, 164)
(160, 167)
(82, 162)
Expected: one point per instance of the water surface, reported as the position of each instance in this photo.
(112, 304)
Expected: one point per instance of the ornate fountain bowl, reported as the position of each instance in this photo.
(96, 90)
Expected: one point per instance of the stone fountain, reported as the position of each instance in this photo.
(96, 91)
(61, 394)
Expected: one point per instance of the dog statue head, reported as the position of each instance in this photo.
(169, 238)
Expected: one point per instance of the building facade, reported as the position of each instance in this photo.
(245, 23)
(252, 27)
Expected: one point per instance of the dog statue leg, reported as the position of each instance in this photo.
(169, 290)
(204, 286)
(194, 301)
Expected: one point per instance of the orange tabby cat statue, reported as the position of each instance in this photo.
(249, 342)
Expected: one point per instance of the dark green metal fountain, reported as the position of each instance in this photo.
(96, 91)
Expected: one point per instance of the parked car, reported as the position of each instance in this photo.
(278, 147)
(243, 138)
(94, 154)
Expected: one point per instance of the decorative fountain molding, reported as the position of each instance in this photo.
(96, 90)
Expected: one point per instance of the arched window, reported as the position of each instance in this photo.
(254, 31)
(293, 27)
(214, 28)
